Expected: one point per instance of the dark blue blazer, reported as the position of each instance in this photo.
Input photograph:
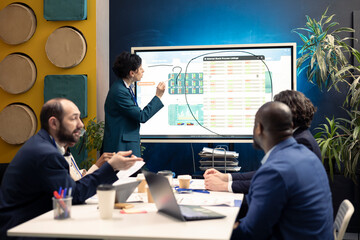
(241, 181)
(123, 118)
(37, 170)
(303, 136)
(289, 197)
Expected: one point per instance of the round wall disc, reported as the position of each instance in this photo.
(17, 73)
(17, 123)
(17, 23)
(66, 47)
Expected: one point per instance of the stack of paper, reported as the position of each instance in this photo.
(219, 159)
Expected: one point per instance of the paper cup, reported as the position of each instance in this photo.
(184, 181)
(106, 196)
(142, 184)
(168, 174)
(149, 196)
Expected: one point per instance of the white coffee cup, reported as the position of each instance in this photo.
(168, 174)
(184, 181)
(106, 197)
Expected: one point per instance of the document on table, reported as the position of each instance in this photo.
(233, 200)
(127, 173)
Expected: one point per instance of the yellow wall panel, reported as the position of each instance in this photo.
(35, 48)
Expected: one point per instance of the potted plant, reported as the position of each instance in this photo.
(324, 57)
(90, 144)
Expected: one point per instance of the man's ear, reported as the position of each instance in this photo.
(53, 123)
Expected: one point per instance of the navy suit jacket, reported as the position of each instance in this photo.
(123, 118)
(241, 181)
(289, 197)
(37, 170)
(303, 136)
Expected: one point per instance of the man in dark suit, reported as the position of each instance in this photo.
(39, 168)
(302, 111)
(289, 196)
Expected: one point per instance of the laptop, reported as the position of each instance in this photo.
(165, 201)
(124, 190)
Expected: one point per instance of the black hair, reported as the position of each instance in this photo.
(125, 63)
(301, 107)
(52, 108)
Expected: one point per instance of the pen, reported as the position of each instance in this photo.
(70, 190)
(191, 190)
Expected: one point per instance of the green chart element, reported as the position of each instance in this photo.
(192, 85)
(180, 115)
(268, 83)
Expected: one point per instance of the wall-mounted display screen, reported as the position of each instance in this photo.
(212, 92)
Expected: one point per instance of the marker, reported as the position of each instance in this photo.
(70, 190)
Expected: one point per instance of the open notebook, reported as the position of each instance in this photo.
(165, 201)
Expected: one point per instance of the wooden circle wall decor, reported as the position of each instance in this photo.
(66, 47)
(17, 123)
(17, 73)
(17, 23)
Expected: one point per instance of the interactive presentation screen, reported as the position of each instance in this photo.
(212, 92)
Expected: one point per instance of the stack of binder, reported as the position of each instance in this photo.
(220, 159)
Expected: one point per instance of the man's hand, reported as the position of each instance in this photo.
(214, 183)
(160, 89)
(236, 224)
(104, 158)
(120, 161)
(212, 171)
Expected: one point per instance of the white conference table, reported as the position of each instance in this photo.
(85, 223)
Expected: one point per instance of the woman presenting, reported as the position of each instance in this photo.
(122, 114)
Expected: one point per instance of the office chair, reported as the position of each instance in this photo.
(342, 219)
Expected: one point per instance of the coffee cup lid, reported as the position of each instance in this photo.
(184, 176)
(105, 187)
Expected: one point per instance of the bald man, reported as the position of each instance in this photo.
(289, 196)
(39, 168)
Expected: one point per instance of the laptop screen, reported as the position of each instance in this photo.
(163, 195)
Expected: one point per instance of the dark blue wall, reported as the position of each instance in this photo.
(204, 22)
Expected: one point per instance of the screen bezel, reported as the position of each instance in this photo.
(215, 138)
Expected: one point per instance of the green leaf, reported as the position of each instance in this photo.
(302, 36)
(356, 132)
(337, 159)
(333, 24)
(321, 36)
(329, 19)
(331, 168)
(343, 29)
